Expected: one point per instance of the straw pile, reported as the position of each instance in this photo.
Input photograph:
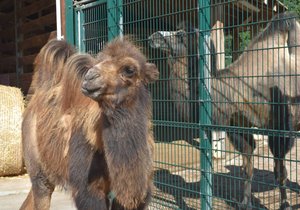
(11, 109)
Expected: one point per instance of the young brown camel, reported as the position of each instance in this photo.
(87, 127)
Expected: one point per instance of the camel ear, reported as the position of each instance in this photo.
(151, 73)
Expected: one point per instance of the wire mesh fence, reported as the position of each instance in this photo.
(226, 106)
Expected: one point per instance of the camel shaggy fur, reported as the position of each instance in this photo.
(87, 127)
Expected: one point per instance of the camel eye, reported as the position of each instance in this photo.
(128, 71)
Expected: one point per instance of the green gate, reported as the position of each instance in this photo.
(230, 74)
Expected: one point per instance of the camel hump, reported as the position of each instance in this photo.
(49, 63)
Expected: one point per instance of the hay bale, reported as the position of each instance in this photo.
(11, 109)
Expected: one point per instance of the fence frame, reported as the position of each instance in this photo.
(75, 34)
(205, 104)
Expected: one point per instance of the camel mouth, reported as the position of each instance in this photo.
(94, 93)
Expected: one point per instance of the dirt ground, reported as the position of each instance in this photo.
(177, 180)
(13, 191)
(178, 174)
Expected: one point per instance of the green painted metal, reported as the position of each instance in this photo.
(80, 29)
(69, 10)
(115, 18)
(184, 179)
(91, 28)
(205, 105)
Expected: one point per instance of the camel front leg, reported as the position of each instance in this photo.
(280, 173)
(39, 197)
(280, 144)
(245, 144)
(248, 170)
(28, 204)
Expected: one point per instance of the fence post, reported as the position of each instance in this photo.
(69, 10)
(114, 18)
(79, 30)
(205, 103)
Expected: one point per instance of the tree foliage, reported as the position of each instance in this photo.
(292, 5)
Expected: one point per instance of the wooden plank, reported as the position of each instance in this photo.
(6, 18)
(38, 23)
(34, 8)
(63, 18)
(26, 79)
(8, 33)
(27, 60)
(7, 62)
(217, 37)
(5, 4)
(22, 82)
(35, 41)
(4, 79)
(247, 6)
(9, 48)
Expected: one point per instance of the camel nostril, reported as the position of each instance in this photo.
(91, 75)
(84, 84)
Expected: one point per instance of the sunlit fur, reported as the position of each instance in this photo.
(90, 145)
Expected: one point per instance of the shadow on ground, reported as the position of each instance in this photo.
(227, 187)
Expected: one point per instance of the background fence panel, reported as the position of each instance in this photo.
(225, 66)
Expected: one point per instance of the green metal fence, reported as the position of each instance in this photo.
(225, 66)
